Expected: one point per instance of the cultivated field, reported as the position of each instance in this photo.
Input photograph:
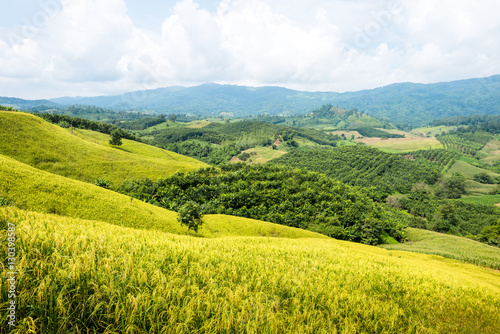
(468, 170)
(487, 199)
(491, 151)
(85, 155)
(450, 246)
(261, 155)
(77, 276)
(399, 145)
(429, 131)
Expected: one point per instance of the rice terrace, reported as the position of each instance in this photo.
(234, 167)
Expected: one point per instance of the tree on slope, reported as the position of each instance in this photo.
(190, 215)
(116, 137)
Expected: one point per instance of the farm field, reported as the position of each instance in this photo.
(491, 151)
(472, 187)
(479, 189)
(432, 131)
(486, 199)
(87, 276)
(260, 155)
(86, 155)
(450, 246)
(197, 124)
(347, 134)
(467, 170)
(400, 145)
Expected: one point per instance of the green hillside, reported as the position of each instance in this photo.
(40, 191)
(78, 276)
(40, 144)
(450, 246)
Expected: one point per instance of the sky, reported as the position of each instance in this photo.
(54, 48)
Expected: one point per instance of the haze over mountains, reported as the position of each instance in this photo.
(412, 103)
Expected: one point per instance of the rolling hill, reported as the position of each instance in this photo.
(85, 155)
(36, 190)
(80, 276)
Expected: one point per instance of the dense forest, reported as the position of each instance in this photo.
(489, 123)
(365, 166)
(277, 194)
(89, 112)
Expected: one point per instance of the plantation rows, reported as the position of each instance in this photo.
(364, 166)
(465, 143)
(442, 157)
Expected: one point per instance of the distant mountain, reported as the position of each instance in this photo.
(410, 103)
(419, 104)
(211, 99)
(25, 104)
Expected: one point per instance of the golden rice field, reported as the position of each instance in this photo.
(85, 155)
(80, 276)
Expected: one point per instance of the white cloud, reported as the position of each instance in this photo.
(95, 47)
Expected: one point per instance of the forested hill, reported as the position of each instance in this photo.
(418, 104)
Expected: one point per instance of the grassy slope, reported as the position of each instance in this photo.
(262, 155)
(432, 131)
(450, 246)
(33, 141)
(40, 191)
(84, 276)
(491, 151)
(487, 199)
(467, 170)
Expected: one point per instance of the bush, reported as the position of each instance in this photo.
(5, 201)
(483, 178)
(103, 183)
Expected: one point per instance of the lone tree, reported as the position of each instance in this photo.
(190, 215)
(116, 137)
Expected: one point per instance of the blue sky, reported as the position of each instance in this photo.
(53, 48)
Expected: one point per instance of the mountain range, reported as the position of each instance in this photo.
(404, 103)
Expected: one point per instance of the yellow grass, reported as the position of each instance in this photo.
(491, 151)
(197, 124)
(261, 155)
(77, 276)
(86, 155)
(397, 145)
